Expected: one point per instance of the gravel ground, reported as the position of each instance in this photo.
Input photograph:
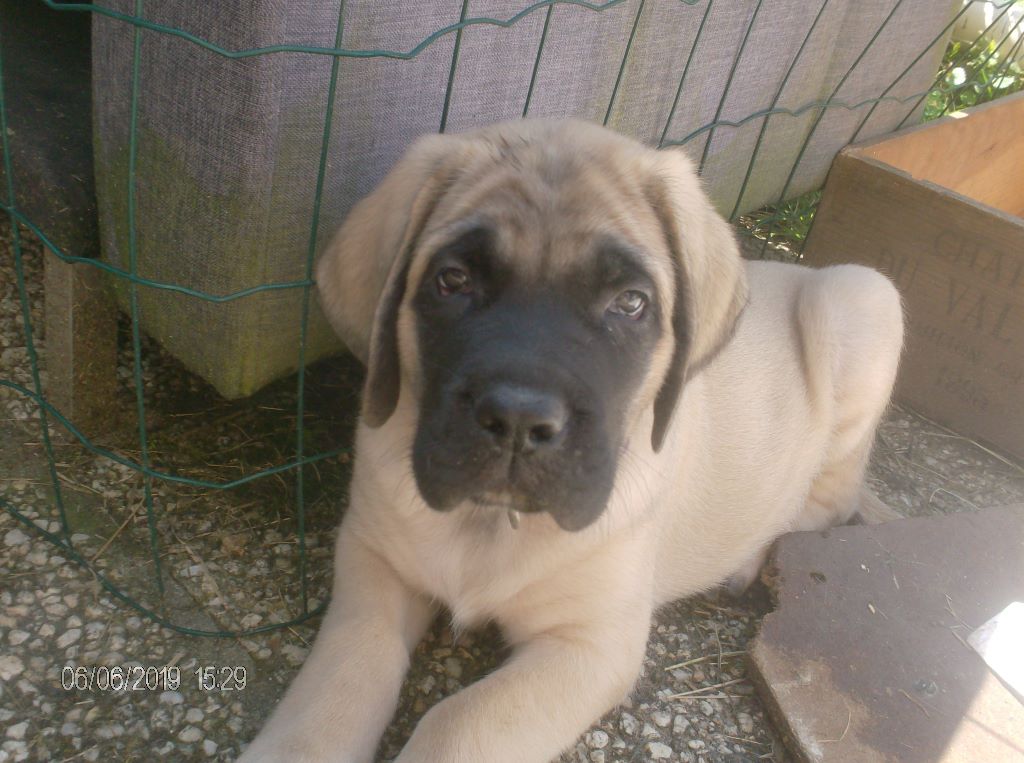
(230, 561)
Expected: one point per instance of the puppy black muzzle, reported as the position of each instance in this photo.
(509, 441)
(520, 410)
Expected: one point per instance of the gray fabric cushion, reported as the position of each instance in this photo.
(228, 149)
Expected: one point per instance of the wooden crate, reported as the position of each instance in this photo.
(939, 209)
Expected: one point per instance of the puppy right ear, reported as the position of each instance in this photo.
(355, 265)
(362, 274)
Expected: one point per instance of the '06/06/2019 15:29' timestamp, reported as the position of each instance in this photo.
(125, 678)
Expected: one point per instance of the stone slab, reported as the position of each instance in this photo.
(865, 657)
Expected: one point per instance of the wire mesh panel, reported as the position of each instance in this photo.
(229, 130)
(232, 138)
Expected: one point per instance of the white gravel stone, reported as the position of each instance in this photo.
(17, 637)
(15, 538)
(209, 747)
(68, 638)
(110, 731)
(629, 724)
(38, 558)
(659, 751)
(596, 756)
(662, 718)
(194, 715)
(190, 734)
(707, 708)
(14, 751)
(296, 655)
(17, 731)
(597, 739)
(10, 666)
(171, 697)
(746, 723)
(696, 744)
(453, 667)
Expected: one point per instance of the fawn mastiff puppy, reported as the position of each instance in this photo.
(581, 404)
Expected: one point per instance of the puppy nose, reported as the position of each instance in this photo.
(522, 417)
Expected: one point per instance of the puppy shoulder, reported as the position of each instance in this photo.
(858, 303)
(851, 326)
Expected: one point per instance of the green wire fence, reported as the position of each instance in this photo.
(988, 64)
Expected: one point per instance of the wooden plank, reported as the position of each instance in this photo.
(979, 153)
(960, 268)
(81, 345)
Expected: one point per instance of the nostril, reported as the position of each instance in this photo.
(490, 418)
(542, 433)
(496, 427)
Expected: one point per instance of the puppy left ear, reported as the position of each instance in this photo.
(710, 278)
(362, 273)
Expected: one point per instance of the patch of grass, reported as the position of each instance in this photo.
(784, 227)
(971, 73)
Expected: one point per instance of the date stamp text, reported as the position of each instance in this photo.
(135, 677)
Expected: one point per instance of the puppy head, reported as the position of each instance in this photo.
(535, 290)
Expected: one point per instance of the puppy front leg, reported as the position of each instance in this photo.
(552, 688)
(341, 701)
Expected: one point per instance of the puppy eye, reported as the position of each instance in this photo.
(453, 281)
(630, 303)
